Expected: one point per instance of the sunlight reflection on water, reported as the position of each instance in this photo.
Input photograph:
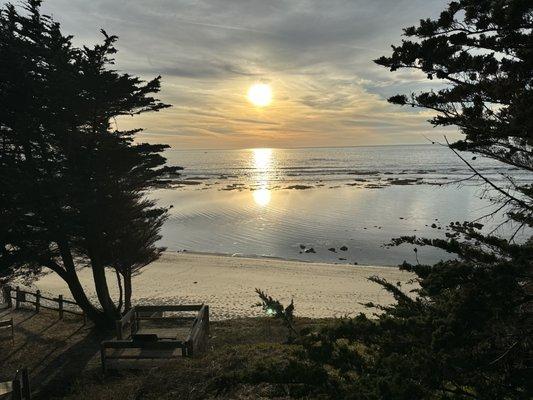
(262, 196)
(262, 164)
(274, 201)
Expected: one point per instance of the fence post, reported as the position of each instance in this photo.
(16, 389)
(190, 347)
(6, 291)
(206, 320)
(17, 297)
(102, 358)
(26, 390)
(37, 301)
(118, 328)
(60, 301)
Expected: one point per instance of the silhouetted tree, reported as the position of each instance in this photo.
(73, 186)
(481, 53)
(466, 331)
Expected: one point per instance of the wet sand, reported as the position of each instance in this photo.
(227, 284)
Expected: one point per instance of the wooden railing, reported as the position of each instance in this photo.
(18, 388)
(150, 346)
(126, 326)
(38, 300)
(8, 324)
(131, 321)
(197, 341)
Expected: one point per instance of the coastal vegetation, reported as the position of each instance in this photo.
(74, 185)
(465, 333)
(73, 195)
(63, 357)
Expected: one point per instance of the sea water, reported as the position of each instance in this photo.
(285, 202)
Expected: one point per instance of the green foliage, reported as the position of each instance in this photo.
(466, 331)
(461, 336)
(275, 309)
(481, 53)
(73, 185)
(463, 333)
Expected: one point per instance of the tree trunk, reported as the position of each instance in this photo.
(102, 291)
(127, 291)
(94, 314)
(120, 291)
(70, 276)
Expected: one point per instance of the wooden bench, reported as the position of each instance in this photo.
(144, 336)
(18, 388)
(8, 324)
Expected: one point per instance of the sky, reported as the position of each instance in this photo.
(316, 55)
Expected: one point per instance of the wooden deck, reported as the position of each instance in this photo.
(137, 358)
(174, 333)
(147, 337)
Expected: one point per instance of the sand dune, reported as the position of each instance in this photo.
(227, 284)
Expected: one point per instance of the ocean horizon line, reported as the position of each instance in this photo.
(301, 148)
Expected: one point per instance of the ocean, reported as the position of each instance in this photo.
(340, 205)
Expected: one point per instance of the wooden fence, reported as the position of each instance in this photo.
(59, 304)
(18, 388)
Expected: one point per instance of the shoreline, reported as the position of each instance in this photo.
(273, 258)
(227, 284)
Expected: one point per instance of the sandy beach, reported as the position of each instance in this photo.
(227, 284)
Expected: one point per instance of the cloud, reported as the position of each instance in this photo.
(316, 54)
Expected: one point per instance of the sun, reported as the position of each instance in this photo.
(260, 94)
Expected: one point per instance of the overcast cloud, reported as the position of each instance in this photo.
(316, 54)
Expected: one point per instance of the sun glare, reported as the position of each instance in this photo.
(260, 94)
(262, 164)
(262, 196)
(262, 158)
